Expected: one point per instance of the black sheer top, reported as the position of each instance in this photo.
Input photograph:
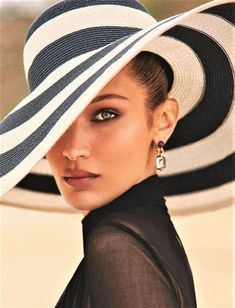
(133, 257)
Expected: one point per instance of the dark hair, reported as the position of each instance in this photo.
(155, 75)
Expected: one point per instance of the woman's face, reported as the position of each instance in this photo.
(111, 139)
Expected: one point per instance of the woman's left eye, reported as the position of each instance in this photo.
(104, 115)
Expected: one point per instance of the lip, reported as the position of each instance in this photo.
(80, 178)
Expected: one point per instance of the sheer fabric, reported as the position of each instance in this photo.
(133, 256)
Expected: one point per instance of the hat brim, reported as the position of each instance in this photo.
(199, 47)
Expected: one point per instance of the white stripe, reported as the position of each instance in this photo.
(31, 200)
(51, 30)
(15, 136)
(222, 31)
(204, 152)
(53, 77)
(202, 201)
(93, 16)
(12, 138)
(188, 85)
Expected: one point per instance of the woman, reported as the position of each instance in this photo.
(102, 106)
(114, 139)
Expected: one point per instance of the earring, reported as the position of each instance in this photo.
(160, 160)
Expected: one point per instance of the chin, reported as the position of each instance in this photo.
(80, 200)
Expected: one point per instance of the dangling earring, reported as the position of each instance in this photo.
(160, 160)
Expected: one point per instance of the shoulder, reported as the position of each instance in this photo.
(116, 255)
(144, 248)
(137, 224)
(113, 237)
(131, 227)
(112, 245)
(150, 236)
(121, 245)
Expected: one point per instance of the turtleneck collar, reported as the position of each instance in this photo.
(145, 193)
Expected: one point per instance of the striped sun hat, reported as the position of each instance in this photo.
(76, 47)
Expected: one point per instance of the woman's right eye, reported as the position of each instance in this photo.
(104, 115)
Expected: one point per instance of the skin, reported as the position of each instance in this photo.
(119, 147)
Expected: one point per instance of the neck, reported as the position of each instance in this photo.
(85, 212)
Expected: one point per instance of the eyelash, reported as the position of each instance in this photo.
(102, 111)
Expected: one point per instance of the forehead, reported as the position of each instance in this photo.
(122, 83)
(123, 88)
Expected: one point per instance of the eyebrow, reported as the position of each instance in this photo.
(107, 96)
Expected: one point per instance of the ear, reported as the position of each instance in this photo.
(165, 119)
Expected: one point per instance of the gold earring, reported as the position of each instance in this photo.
(160, 160)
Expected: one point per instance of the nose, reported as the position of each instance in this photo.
(74, 154)
(75, 143)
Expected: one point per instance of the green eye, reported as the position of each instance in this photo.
(104, 115)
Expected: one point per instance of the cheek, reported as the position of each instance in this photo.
(124, 144)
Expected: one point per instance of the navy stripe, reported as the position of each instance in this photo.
(29, 110)
(70, 46)
(212, 176)
(226, 11)
(201, 179)
(10, 159)
(69, 5)
(218, 95)
(39, 183)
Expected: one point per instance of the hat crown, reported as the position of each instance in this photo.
(71, 28)
(69, 5)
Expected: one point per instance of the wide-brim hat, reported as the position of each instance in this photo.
(76, 47)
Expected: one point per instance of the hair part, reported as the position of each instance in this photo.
(156, 76)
